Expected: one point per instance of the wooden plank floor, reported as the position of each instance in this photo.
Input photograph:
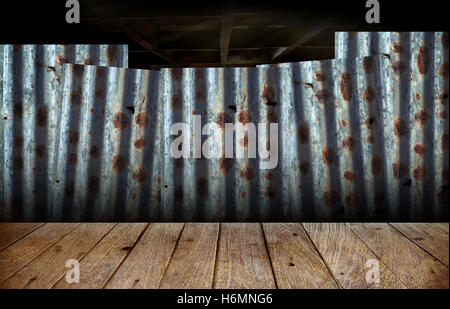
(225, 255)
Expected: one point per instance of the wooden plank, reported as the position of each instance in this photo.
(242, 258)
(295, 261)
(432, 237)
(46, 269)
(226, 24)
(101, 262)
(145, 265)
(12, 232)
(346, 256)
(25, 250)
(412, 265)
(192, 264)
(304, 38)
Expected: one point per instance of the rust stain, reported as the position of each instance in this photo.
(399, 127)
(243, 195)
(75, 97)
(370, 139)
(18, 163)
(121, 121)
(399, 67)
(272, 116)
(421, 117)
(139, 143)
(303, 133)
(89, 61)
(304, 167)
(349, 175)
(419, 173)
(177, 100)
(179, 163)
(444, 141)
(61, 59)
(320, 76)
(112, 52)
(74, 137)
(244, 117)
(140, 175)
(199, 95)
(397, 47)
(400, 170)
(443, 98)
(18, 110)
(375, 166)
(133, 196)
(328, 155)
(77, 70)
(419, 149)
(41, 116)
(270, 193)
(418, 97)
(268, 176)
(223, 118)
(349, 144)
(346, 86)
(422, 60)
(370, 122)
(323, 95)
(158, 180)
(225, 165)
(268, 94)
(443, 71)
(142, 120)
(247, 173)
(39, 150)
(343, 123)
(351, 200)
(368, 65)
(94, 151)
(330, 198)
(119, 163)
(442, 114)
(73, 159)
(176, 74)
(369, 95)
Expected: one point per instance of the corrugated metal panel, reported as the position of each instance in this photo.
(358, 139)
(30, 118)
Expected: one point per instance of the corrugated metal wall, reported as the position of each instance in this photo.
(30, 117)
(362, 138)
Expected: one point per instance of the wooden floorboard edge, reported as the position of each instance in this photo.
(418, 245)
(171, 256)
(217, 254)
(321, 257)
(24, 235)
(268, 254)
(87, 251)
(40, 253)
(394, 273)
(126, 256)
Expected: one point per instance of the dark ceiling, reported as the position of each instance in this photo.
(204, 33)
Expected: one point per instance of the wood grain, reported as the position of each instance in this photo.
(11, 232)
(242, 259)
(346, 256)
(295, 261)
(46, 269)
(432, 237)
(412, 265)
(26, 249)
(101, 262)
(192, 264)
(145, 265)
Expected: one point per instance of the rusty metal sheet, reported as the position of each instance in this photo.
(392, 44)
(30, 116)
(358, 139)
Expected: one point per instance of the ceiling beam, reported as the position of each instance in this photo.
(132, 34)
(226, 26)
(281, 52)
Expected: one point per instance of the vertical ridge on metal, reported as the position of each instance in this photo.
(31, 113)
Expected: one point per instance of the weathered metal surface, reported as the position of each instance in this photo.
(30, 117)
(358, 139)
